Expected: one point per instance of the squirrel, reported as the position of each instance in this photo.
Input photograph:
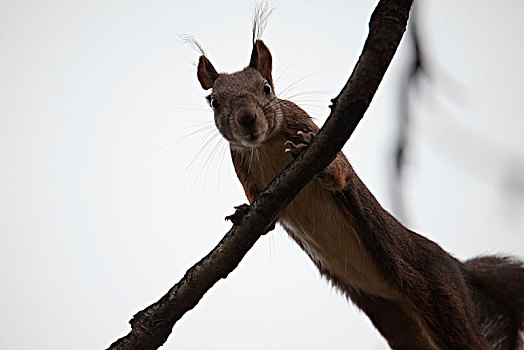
(416, 294)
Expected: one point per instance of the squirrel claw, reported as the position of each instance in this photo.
(307, 136)
(295, 149)
(238, 215)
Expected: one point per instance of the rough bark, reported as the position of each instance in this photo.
(152, 326)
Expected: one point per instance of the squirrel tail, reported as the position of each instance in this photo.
(497, 290)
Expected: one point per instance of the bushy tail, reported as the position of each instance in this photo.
(497, 289)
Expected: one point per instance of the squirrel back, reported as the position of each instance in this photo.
(416, 294)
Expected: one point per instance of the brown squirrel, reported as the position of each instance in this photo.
(416, 294)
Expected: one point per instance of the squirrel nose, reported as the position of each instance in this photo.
(246, 118)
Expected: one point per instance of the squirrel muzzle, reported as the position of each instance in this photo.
(250, 124)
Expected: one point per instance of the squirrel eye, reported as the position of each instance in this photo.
(213, 102)
(267, 88)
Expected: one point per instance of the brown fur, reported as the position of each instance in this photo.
(416, 294)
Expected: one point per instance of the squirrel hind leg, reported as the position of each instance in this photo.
(335, 176)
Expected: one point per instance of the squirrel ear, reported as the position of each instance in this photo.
(261, 59)
(206, 73)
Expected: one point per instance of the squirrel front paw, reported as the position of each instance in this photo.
(334, 176)
(295, 149)
(238, 215)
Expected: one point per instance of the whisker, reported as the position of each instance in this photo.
(309, 100)
(311, 105)
(207, 165)
(269, 102)
(198, 121)
(250, 160)
(267, 107)
(188, 108)
(301, 79)
(206, 127)
(289, 64)
(220, 169)
(210, 136)
(195, 181)
(303, 90)
(308, 93)
(259, 163)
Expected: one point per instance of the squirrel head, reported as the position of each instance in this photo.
(246, 109)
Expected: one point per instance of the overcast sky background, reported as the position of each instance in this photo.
(106, 200)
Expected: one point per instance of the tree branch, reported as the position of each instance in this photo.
(152, 326)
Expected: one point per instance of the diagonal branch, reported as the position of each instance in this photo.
(152, 326)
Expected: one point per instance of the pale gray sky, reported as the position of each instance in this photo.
(106, 200)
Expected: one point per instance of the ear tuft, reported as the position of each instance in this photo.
(261, 59)
(206, 73)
